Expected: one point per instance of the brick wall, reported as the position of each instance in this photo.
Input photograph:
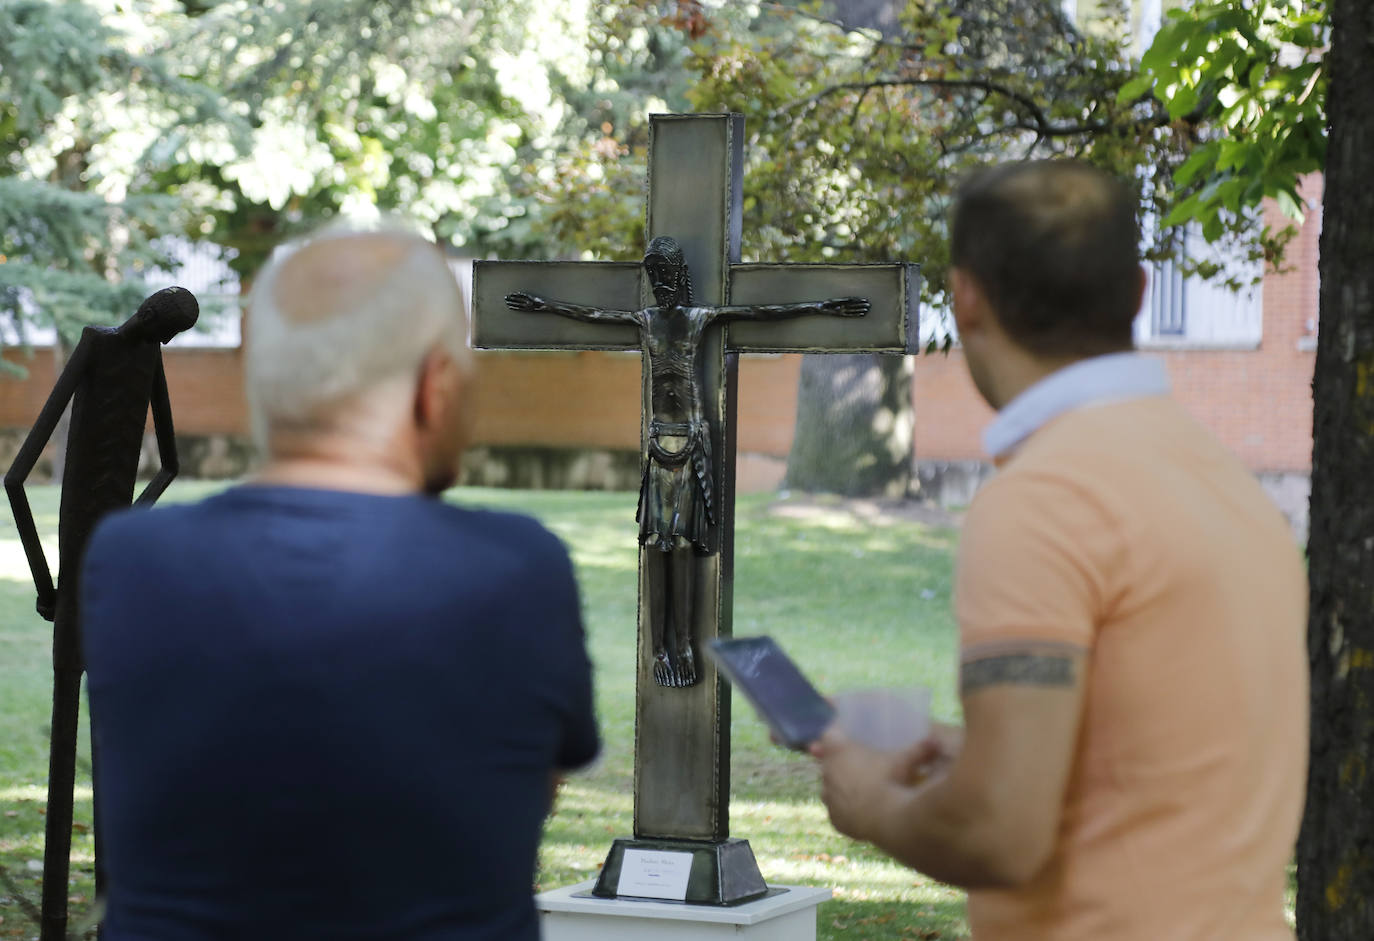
(1258, 401)
(206, 387)
(547, 400)
(589, 399)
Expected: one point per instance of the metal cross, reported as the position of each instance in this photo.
(682, 719)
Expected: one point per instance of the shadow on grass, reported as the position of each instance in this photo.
(794, 845)
(923, 920)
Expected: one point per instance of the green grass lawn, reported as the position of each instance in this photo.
(857, 602)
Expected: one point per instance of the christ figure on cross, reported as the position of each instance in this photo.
(678, 509)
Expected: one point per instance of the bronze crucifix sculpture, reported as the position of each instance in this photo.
(695, 200)
(677, 509)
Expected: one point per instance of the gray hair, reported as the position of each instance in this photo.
(376, 330)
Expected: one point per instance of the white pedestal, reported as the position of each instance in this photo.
(568, 915)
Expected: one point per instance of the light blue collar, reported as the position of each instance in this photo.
(1095, 381)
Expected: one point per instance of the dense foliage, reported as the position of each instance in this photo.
(1251, 79)
(521, 128)
(237, 122)
(74, 233)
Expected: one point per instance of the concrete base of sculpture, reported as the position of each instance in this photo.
(699, 872)
(785, 913)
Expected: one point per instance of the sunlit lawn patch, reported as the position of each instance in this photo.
(858, 602)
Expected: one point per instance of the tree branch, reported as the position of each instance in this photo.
(1064, 27)
(1036, 121)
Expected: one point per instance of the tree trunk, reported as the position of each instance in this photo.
(854, 426)
(1336, 847)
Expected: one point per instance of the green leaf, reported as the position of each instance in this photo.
(1135, 88)
(1201, 159)
(1289, 205)
(1183, 101)
(1184, 211)
(1167, 44)
(1213, 228)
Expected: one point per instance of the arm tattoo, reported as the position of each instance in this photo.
(1023, 669)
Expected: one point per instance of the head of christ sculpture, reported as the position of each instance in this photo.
(666, 268)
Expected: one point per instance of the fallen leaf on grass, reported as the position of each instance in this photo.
(822, 858)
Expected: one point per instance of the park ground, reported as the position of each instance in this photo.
(858, 592)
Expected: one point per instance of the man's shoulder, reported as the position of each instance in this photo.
(1036, 484)
(1100, 449)
(144, 536)
(418, 519)
(146, 522)
(1125, 429)
(1063, 481)
(499, 527)
(1135, 451)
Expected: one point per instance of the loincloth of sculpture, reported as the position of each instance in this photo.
(675, 499)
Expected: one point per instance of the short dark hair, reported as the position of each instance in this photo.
(1055, 246)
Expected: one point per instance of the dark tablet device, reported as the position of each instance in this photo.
(785, 699)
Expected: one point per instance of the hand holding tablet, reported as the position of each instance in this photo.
(888, 719)
(781, 695)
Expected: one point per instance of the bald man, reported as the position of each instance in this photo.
(330, 705)
(1132, 617)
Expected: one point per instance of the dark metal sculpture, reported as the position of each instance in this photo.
(695, 193)
(111, 379)
(677, 510)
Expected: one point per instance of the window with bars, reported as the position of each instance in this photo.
(1202, 311)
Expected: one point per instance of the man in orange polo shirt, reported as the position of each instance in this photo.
(1132, 616)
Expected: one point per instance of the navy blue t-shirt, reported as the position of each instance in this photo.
(329, 715)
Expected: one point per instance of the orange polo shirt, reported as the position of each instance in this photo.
(1124, 529)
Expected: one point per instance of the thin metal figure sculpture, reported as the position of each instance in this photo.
(677, 506)
(111, 379)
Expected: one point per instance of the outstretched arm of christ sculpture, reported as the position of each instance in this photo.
(530, 304)
(166, 439)
(834, 307)
(24, 463)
